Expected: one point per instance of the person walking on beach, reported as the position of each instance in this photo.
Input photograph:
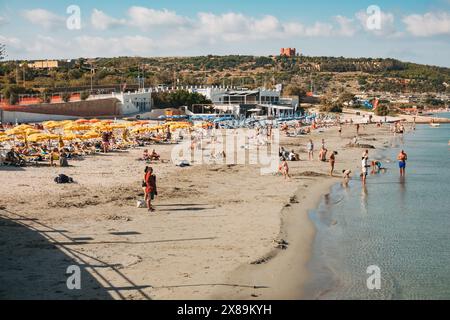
(310, 148)
(402, 157)
(332, 160)
(364, 168)
(150, 187)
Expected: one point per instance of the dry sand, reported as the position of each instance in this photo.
(216, 232)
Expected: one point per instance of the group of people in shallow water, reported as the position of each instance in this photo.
(366, 166)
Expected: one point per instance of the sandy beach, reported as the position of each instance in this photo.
(219, 231)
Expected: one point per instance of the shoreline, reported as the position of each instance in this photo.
(284, 273)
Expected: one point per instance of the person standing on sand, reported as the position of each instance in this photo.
(402, 157)
(364, 168)
(105, 141)
(357, 129)
(310, 148)
(150, 187)
(332, 162)
(285, 169)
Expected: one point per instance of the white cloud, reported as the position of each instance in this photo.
(428, 24)
(346, 26)
(319, 29)
(210, 23)
(387, 24)
(146, 18)
(267, 25)
(238, 27)
(43, 18)
(235, 27)
(229, 27)
(102, 21)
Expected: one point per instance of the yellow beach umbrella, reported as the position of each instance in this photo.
(82, 121)
(32, 131)
(23, 127)
(91, 135)
(71, 136)
(5, 138)
(118, 126)
(77, 127)
(51, 136)
(53, 124)
(37, 137)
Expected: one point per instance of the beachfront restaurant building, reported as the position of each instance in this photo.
(245, 103)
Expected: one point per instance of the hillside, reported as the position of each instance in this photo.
(327, 74)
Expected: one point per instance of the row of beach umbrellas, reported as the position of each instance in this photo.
(82, 129)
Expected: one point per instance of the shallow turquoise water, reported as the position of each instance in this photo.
(401, 226)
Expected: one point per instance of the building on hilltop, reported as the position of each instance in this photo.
(242, 102)
(48, 64)
(287, 52)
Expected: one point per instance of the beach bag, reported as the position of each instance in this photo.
(141, 204)
(62, 178)
(184, 163)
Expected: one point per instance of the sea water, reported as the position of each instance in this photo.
(400, 226)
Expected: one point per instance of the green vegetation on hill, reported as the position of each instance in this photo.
(178, 98)
(326, 75)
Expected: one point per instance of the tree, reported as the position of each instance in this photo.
(382, 110)
(178, 98)
(65, 96)
(12, 92)
(295, 90)
(75, 74)
(46, 96)
(84, 95)
(328, 105)
(346, 97)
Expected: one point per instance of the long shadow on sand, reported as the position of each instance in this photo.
(33, 265)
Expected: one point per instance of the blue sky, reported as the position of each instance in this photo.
(417, 31)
